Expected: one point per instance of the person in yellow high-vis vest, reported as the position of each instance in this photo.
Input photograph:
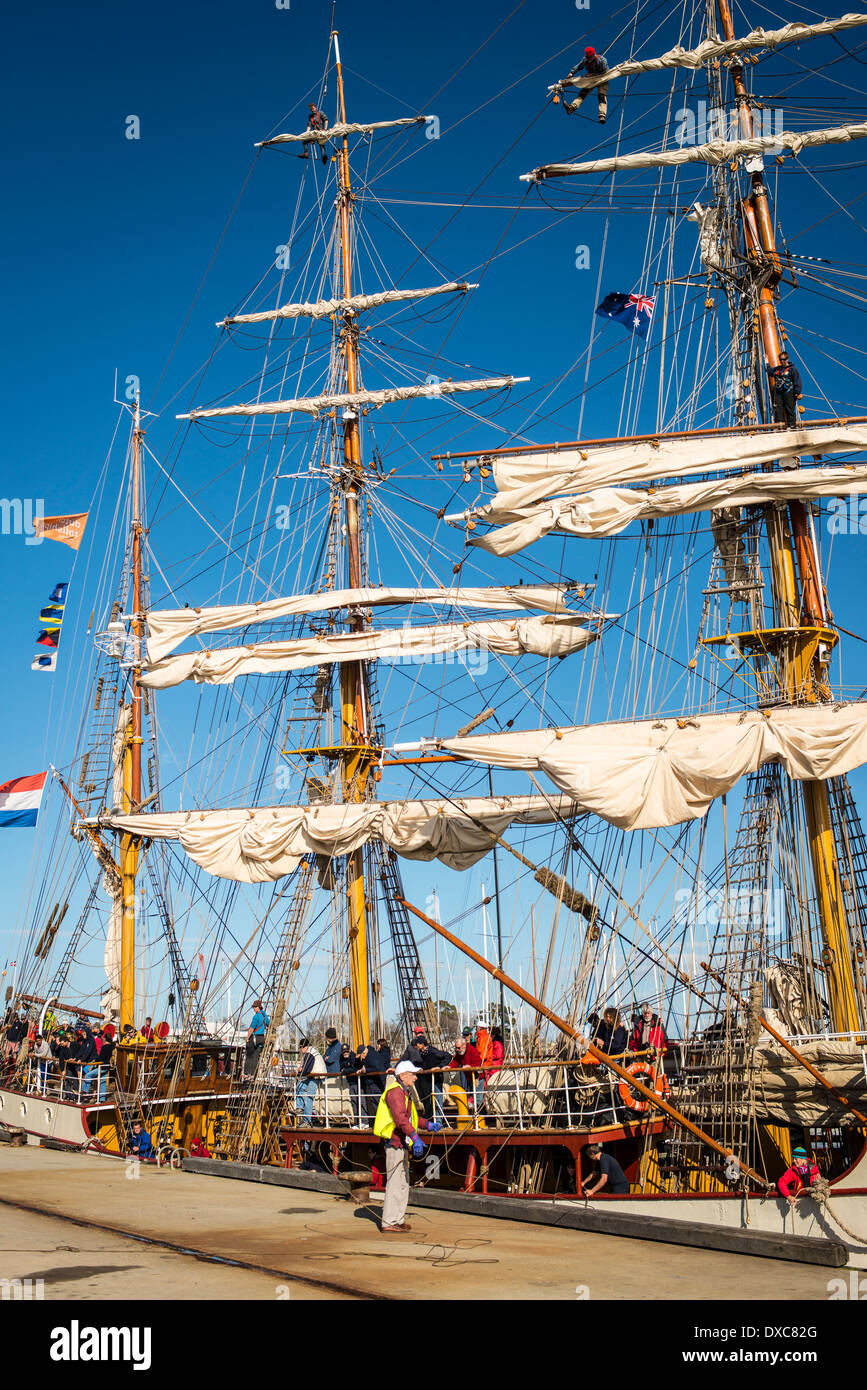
(397, 1123)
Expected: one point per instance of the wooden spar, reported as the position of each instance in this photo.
(355, 722)
(646, 1091)
(104, 856)
(778, 1037)
(759, 429)
(56, 1004)
(411, 762)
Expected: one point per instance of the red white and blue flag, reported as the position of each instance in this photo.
(633, 311)
(19, 800)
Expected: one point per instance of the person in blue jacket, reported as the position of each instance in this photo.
(333, 1049)
(593, 64)
(140, 1142)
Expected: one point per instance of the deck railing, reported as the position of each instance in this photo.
(546, 1094)
(87, 1083)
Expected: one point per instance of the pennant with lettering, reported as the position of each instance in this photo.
(68, 529)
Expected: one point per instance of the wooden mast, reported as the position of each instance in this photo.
(803, 676)
(129, 849)
(355, 714)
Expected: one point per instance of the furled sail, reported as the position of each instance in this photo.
(610, 510)
(110, 998)
(783, 1092)
(336, 132)
(314, 405)
(551, 636)
(524, 479)
(118, 748)
(169, 627)
(709, 221)
(263, 844)
(650, 773)
(680, 57)
(714, 152)
(324, 308)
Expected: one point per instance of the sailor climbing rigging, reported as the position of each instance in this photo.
(594, 65)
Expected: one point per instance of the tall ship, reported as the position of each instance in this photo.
(440, 726)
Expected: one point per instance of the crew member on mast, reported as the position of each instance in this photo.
(594, 65)
(786, 390)
(317, 120)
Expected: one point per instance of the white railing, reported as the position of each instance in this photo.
(538, 1095)
(85, 1083)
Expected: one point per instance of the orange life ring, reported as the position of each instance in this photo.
(656, 1078)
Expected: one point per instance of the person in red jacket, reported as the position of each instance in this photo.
(466, 1054)
(498, 1052)
(800, 1176)
(647, 1031)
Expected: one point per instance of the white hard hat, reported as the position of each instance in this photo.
(406, 1069)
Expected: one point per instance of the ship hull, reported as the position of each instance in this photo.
(99, 1126)
(772, 1215)
(64, 1122)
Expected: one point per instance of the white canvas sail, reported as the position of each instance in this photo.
(524, 479)
(263, 844)
(651, 773)
(337, 131)
(551, 636)
(169, 627)
(118, 747)
(679, 57)
(314, 405)
(608, 511)
(714, 152)
(324, 308)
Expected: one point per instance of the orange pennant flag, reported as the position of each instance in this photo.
(68, 529)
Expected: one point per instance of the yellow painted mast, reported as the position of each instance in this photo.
(355, 712)
(801, 616)
(129, 845)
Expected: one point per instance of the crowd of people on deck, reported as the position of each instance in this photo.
(69, 1060)
(476, 1055)
(647, 1033)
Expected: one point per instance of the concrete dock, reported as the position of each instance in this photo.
(94, 1227)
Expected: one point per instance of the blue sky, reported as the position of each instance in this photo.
(107, 241)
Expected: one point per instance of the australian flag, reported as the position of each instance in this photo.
(634, 311)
